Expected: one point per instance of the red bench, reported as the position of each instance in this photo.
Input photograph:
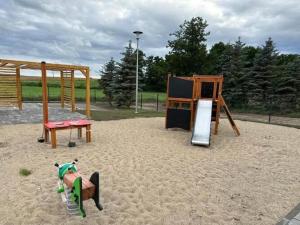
(67, 124)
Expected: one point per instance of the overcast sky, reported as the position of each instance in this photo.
(89, 32)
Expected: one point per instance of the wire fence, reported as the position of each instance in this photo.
(147, 100)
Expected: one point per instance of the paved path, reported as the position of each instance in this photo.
(293, 218)
(32, 113)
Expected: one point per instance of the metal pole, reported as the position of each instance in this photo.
(137, 76)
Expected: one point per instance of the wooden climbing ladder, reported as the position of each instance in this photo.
(68, 89)
(10, 87)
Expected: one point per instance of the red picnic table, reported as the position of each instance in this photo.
(67, 124)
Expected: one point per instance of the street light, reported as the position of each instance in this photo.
(137, 33)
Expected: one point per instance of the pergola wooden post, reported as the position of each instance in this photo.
(72, 92)
(219, 104)
(87, 93)
(45, 99)
(62, 89)
(19, 90)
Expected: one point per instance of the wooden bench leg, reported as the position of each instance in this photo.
(53, 138)
(46, 131)
(88, 133)
(79, 133)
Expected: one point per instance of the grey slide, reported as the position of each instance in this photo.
(201, 131)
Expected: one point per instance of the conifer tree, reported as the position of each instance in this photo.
(238, 77)
(288, 86)
(108, 75)
(262, 85)
(225, 69)
(124, 83)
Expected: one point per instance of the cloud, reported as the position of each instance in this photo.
(90, 32)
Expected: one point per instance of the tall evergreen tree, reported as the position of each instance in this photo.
(108, 75)
(232, 63)
(225, 69)
(124, 84)
(188, 49)
(288, 86)
(262, 85)
(249, 53)
(239, 78)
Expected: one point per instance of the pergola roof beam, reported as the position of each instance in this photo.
(37, 65)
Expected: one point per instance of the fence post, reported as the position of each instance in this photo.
(157, 102)
(141, 100)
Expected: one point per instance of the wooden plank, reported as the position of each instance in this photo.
(69, 96)
(18, 87)
(9, 68)
(8, 87)
(219, 103)
(228, 114)
(45, 93)
(8, 101)
(181, 99)
(37, 65)
(88, 188)
(3, 64)
(68, 99)
(8, 92)
(7, 76)
(7, 73)
(62, 90)
(87, 94)
(8, 97)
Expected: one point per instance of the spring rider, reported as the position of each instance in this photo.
(77, 188)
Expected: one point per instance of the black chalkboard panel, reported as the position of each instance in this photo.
(180, 88)
(214, 111)
(178, 118)
(207, 90)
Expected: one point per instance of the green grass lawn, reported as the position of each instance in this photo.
(79, 83)
(118, 114)
(35, 93)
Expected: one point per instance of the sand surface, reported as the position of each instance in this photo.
(153, 176)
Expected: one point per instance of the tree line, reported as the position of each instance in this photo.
(254, 76)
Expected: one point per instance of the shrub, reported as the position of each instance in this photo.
(24, 172)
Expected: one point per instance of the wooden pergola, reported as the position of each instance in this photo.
(10, 84)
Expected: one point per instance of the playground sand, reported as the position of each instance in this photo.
(153, 176)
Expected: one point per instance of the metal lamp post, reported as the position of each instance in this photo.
(137, 33)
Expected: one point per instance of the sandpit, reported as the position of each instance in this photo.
(153, 176)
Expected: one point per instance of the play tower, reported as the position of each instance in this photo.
(193, 102)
